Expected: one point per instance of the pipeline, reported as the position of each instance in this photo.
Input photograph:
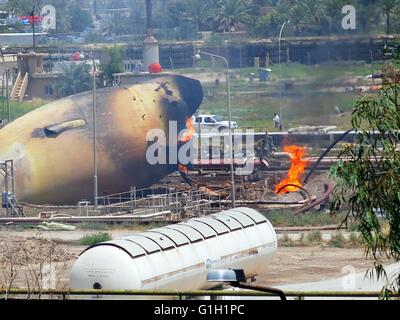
(326, 152)
(297, 186)
(326, 195)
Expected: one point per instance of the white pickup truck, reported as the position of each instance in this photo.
(212, 121)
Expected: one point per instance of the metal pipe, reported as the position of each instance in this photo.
(65, 292)
(326, 152)
(273, 291)
(296, 186)
(317, 201)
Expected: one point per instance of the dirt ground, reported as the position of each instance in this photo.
(290, 265)
(307, 264)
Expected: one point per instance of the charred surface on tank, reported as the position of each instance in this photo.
(52, 145)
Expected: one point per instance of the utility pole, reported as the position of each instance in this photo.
(8, 98)
(3, 109)
(33, 28)
(95, 185)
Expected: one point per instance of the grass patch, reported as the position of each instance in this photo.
(92, 239)
(93, 226)
(337, 241)
(285, 241)
(257, 102)
(315, 236)
(289, 219)
(356, 239)
(18, 109)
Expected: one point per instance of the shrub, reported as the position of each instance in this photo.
(355, 239)
(92, 239)
(337, 241)
(314, 236)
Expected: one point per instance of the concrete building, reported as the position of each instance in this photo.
(31, 80)
(8, 63)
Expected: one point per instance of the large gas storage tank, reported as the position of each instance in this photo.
(52, 146)
(178, 257)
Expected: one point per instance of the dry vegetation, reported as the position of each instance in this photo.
(31, 263)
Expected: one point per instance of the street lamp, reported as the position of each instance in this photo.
(280, 71)
(33, 17)
(236, 278)
(95, 184)
(228, 88)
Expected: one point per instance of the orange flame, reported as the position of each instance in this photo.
(188, 134)
(298, 165)
(182, 168)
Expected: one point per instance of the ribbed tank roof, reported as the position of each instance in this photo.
(190, 231)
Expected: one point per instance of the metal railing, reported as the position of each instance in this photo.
(160, 199)
(16, 83)
(181, 295)
(24, 86)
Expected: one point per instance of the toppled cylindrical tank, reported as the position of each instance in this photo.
(52, 146)
(178, 257)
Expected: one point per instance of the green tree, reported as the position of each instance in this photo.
(112, 63)
(388, 7)
(368, 182)
(80, 19)
(75, 78)
(232, 14)
(183, 19)
(369, 16)
(333, 13)
(308, 16)
(20, 7)
(201, 13)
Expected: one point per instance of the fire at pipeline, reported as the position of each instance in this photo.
(52, 146)
(298, 165)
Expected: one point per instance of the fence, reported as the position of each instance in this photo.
(182, 295)
(160, 199)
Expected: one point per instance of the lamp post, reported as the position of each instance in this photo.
(8, 97)
(95, 184)
(236, 278)
(280, 71)
(228, 88)
(33, 27)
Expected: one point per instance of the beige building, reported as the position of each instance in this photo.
(31, 79)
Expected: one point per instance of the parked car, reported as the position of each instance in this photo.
(212, 121)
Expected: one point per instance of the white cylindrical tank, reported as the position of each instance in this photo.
(179, 256)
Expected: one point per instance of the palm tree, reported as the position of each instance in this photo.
(333, 10)
(200, 12)
(310, 13)
(388, 7)
(232, 14)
